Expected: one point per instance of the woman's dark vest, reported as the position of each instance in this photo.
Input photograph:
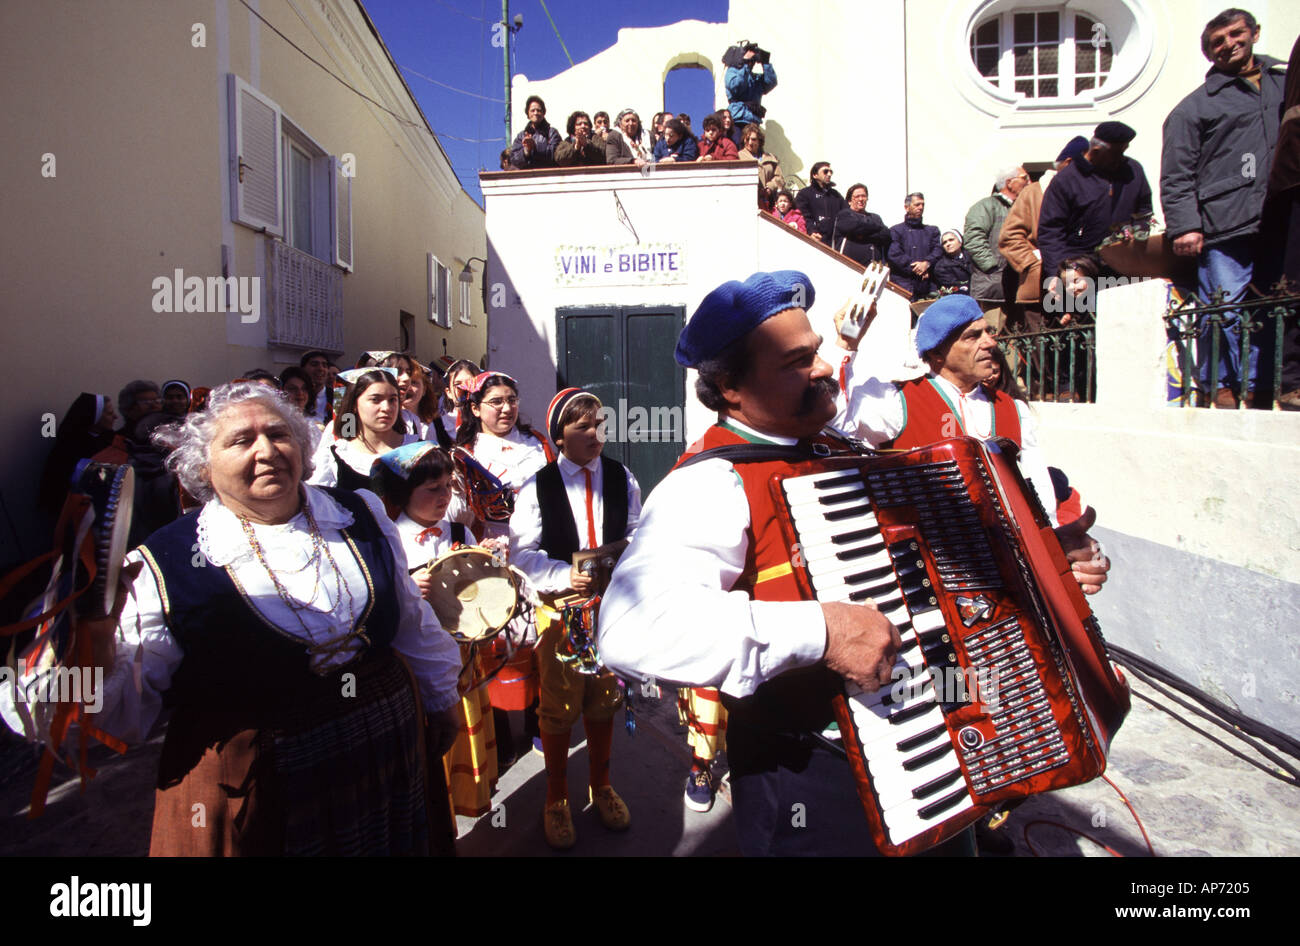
(236, 664)
(348, 478)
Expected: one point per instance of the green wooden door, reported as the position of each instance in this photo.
(624, 355)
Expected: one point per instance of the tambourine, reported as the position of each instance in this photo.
(111, 490)
(474, 594)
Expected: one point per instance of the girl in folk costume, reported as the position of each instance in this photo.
(454, 403)
(366, 425)
(410, 389)
(580, 501)
(512, 452)
(507, 447)
(418, 479)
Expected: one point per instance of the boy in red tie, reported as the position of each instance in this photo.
(580, 501)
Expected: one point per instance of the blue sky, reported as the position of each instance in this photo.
(450, 41)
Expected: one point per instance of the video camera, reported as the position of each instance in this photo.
(735, 56)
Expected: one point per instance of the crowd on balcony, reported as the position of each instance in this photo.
(1033, 252)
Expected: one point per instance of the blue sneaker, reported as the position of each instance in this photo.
(700, 790)
(537, 746)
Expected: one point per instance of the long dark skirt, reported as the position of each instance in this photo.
(335, 777)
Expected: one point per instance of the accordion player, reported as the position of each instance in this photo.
(714, 591)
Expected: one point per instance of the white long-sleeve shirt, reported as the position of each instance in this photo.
(130, 711)
(668, 613)
(550, 575)
(874, 411)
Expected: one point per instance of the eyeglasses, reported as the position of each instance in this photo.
(500, 403)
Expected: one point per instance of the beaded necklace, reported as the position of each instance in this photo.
(320, 554)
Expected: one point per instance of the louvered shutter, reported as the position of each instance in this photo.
(341, 215)
(256, 198)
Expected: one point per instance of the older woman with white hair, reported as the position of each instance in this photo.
(628, 143)
(279, 626)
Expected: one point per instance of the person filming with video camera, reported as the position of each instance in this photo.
(749, 77)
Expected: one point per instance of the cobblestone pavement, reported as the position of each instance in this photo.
(1193, 797)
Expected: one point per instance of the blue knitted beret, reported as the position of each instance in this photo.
(1074, 150)
(735, 309)
(947, 315)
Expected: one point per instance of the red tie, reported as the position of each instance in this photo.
(844, 388)
(591, 518)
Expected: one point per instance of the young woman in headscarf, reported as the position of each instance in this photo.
(367, 425)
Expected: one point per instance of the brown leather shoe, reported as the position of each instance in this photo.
(613, 813)
(1225, 398)
(557, 825)
(1290, 401)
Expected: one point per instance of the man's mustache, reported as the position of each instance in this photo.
(820, 389)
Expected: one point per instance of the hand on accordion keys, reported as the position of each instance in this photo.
(861, 643)
(1083, 552)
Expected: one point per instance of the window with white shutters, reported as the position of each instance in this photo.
(256, 200)
(439, 293)
(284, 183)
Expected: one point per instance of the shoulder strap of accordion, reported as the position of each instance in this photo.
(838, 445)
(751, 453)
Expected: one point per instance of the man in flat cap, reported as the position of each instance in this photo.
(1099, 190)
(1214, 167)
(959, 397)
(952, 400)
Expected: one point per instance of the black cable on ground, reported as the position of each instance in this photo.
(1220, 714)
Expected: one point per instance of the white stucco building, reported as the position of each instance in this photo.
(927, 95)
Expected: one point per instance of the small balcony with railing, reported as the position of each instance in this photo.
(304, 297)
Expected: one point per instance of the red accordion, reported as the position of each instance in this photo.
(1003, 688)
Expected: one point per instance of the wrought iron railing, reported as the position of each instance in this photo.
(1206, 333)
(1057, 364)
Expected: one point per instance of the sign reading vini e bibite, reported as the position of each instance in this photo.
(633, 264)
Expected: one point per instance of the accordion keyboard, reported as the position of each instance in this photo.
(909, 753)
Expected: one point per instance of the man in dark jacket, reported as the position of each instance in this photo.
(859, 235)
(1099, 190)
(820, 203)
(914, 248)
(991, 283)
(1218, 150)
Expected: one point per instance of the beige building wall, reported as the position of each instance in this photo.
(129, 102)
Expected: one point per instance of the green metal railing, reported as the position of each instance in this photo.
(1195, 326)
(1055, 364)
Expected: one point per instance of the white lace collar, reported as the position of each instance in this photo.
(223, 542)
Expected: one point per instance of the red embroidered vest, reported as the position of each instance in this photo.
(769, 551)
(929, 418)
(797, 700)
